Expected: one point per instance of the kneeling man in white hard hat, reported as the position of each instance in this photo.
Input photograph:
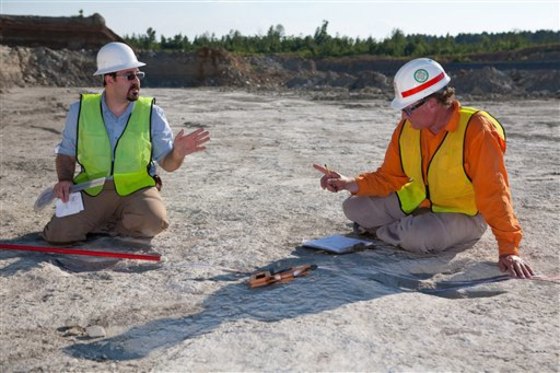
(443, 179)
(116, 136)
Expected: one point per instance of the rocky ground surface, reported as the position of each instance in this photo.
(248, 202)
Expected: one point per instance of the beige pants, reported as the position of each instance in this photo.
(423, 231)
(141, 214)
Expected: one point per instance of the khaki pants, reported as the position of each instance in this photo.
(422, 232)
(141, 214)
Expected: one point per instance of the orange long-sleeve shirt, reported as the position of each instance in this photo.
(484, 164)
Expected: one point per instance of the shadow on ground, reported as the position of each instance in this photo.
(339, 280)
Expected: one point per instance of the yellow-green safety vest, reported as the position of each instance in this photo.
(448, 187)
(133, 152)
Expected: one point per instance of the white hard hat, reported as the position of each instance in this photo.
(417, 79)
(114, 57)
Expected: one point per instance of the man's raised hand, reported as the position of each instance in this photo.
(193, 142)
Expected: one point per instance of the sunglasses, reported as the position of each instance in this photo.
(133, 75)
(410, 109)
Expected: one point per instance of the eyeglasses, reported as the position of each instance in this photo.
(131, 75)
(410, 109)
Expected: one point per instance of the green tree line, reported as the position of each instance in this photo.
(322, 44)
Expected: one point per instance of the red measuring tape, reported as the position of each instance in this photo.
(59, 250)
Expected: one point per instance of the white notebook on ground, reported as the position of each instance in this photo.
(338, 243)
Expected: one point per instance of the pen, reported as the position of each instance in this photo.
(327, 169)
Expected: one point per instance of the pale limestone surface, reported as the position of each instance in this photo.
(247, 203)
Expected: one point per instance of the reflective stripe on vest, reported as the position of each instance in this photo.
(450, 190)
(133, 152)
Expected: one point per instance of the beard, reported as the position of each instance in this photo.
(133, 93)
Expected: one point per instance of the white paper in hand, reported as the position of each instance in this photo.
(73, 206)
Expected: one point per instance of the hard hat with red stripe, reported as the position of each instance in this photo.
(417, 79)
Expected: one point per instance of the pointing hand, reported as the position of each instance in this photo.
(335, 182)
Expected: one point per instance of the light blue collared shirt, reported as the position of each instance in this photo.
(162, 136)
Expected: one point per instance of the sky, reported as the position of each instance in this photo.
(352, 18)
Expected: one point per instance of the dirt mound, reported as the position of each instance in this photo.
(56, 32)
(216, 67)
(23, 67)
(515, 83)
(486, 80)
